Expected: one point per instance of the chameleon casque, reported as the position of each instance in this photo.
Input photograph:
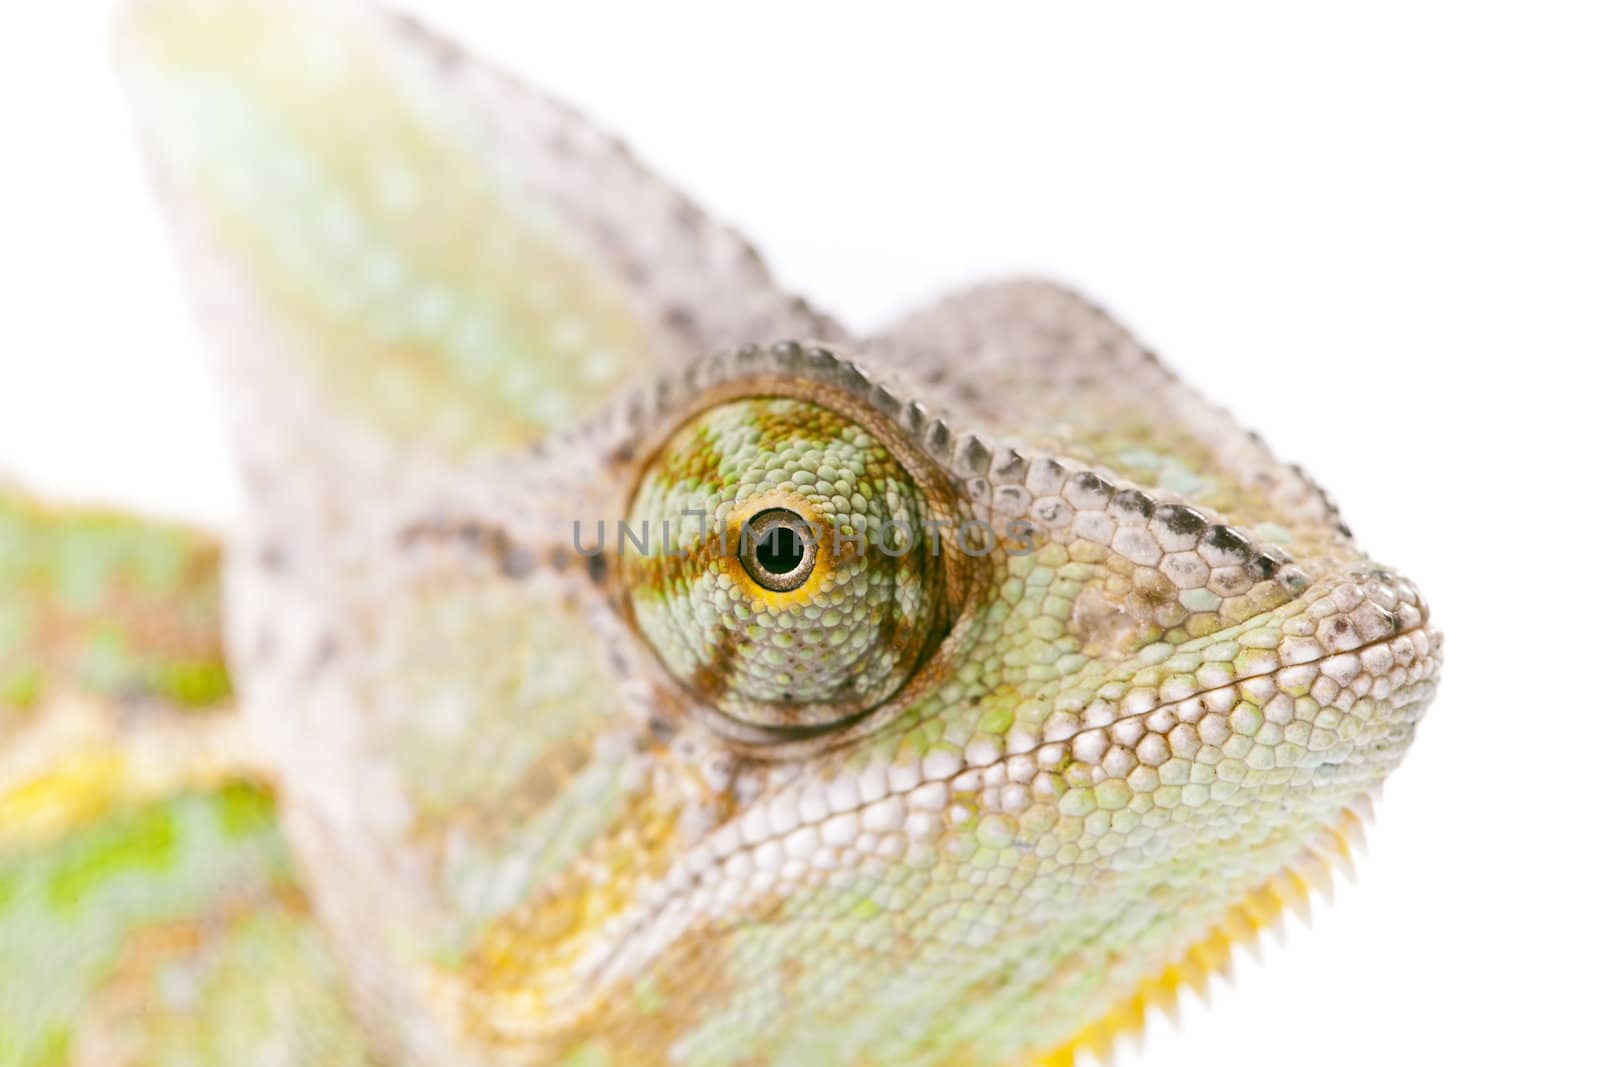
(443, 779)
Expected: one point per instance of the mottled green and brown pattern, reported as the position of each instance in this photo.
(961, 807)
(845, 640)
(105, 605)
(148, 908)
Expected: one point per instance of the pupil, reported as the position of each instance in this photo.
(780, 551)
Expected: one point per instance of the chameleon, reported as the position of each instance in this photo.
(617, 660)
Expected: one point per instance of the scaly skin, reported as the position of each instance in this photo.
(976, 800)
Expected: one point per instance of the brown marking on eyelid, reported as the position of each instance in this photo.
(660, 573)
(711, 679)
(936, 485)
(697, 461)
(955, 581)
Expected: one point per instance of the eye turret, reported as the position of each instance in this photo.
(795, 581)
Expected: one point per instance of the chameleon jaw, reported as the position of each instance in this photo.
(803, 831)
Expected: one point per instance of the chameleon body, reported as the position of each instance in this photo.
(1069, 686)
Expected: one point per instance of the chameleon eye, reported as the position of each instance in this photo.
(789, 579)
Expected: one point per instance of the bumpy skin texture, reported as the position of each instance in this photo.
(975, 804)
(842, 642)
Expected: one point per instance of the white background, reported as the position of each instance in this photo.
(1372, 232)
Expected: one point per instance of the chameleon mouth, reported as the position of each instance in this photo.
(1331, 662)
(1365, 635)
(1396, 671)
(1288, 890)
(1367, 632)
(754, 850)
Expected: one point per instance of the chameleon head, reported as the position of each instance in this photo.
(1122, 735)
(951, 693)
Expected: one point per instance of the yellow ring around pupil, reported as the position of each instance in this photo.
(778, 548)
